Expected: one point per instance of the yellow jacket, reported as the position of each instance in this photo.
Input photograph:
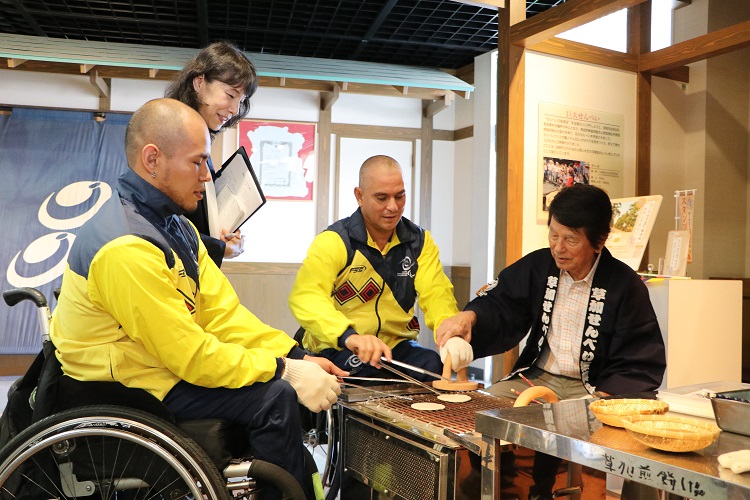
(346, 285)
(133, 310)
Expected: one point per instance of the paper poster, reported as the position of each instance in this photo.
(632, 222)
(578, 146)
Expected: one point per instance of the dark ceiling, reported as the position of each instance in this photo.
(430, 33)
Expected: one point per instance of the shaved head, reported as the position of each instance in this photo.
(161, 122)
(376, 165)
(168, 145)
(381, 197)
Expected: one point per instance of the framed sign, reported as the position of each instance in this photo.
(578, 146)
(283, 155)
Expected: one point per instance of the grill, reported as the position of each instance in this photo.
(458, 417)
(407, 453)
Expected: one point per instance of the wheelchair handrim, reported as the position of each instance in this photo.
(115, 427)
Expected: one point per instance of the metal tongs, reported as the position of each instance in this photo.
(375, 390)
(407, 377)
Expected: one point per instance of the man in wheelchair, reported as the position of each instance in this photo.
(143, 304)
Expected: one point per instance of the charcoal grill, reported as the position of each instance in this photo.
(411, 454)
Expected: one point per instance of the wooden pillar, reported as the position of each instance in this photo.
(425, 176)
(323, 175)
(509, 149)
(639, 42)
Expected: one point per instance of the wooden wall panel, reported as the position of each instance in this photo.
(264, 289)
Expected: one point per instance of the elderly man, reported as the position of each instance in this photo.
(355, 292)
(591, 327)
(143, 304)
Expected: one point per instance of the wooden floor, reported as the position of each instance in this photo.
(594, 482)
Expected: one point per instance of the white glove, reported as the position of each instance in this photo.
(738, 461)
(316, 389)
(460, 351)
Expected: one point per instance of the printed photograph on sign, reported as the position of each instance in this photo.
(560, 173)
(283, 154)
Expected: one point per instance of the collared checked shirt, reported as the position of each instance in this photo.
(561, 354)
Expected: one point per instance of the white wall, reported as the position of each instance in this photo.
(482, 194)
(282, 230)
(585, 86)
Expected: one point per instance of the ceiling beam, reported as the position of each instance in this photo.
(486, 4)
(564, 17)
(582, 52)
(201, 8)
(376, 24)
(696, 49)
(28, 19)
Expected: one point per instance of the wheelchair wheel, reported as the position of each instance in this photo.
(106, 452)
(320, 437)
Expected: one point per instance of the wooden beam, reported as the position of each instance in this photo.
(425, 168)
(85, 68)
(323, 173)
(282, 81)
(438, 105)
(14, 62)
(639, 34)
(463, 133)
(582, 52)
(564, 17)
(375, 132)
(403, 90)
(511, 74)
(681, 74)
(328, 99)
(99, 83)
(697, 49)
(343, 85)
(153, 72)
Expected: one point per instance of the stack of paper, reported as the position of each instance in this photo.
(696, 399)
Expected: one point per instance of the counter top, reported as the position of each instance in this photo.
(569, 430)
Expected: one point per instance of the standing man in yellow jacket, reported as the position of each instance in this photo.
(356, 290)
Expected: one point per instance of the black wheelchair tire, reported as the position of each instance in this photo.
(130, 442)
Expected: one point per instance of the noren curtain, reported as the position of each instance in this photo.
(57, 168)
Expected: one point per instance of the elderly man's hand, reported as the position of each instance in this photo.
(327, 365)
(368, 348)
(459, 325)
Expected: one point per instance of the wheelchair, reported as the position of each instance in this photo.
(103, 440)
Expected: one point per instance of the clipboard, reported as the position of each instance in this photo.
(238, 194)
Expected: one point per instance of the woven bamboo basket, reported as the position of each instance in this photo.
(612, 411)
(671, 433)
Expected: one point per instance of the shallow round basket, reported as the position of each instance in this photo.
(671, 433)
(612, 411)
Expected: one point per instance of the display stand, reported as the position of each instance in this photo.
(701, 322)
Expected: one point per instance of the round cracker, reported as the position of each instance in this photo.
(454, 398)
(427, 406)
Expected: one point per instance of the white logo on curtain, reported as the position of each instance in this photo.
(45, 247)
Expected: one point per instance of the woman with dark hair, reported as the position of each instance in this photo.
(218, 83)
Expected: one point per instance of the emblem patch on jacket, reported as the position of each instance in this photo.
(348, 291)
(406, 265)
